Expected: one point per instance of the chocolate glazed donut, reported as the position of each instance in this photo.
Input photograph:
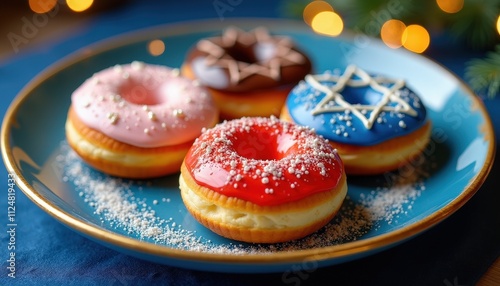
(250, 73)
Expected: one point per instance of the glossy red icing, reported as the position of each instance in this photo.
(264, 161)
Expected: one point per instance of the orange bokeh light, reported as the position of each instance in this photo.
(498, 24)
(327, 23)
(79, 5)
(156, 47)
(391, 33)
(42, 6)
(312, 9)
(416, 38)
(450, 6)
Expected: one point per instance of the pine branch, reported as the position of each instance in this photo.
(475, 24)
(369, 16)
(483, 75)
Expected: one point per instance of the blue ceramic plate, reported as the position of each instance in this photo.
(147, 219)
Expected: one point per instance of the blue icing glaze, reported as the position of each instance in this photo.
(344, 125)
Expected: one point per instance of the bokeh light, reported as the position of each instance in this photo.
(156, 47)
(312, 9)
(450, 6)
(327, 23)
(79, 5)
(391, 33)
(42, 6)
(416, 38)
(498, 24)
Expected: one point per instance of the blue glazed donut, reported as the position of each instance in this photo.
(354, 112)
(360, 110)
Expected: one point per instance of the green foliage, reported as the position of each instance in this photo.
(483, 75)
(475, 24)
(363, 14)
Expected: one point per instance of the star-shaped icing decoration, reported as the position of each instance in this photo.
(266, 64)
(353, 76)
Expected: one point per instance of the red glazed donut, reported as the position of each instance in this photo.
(262, 180)
(248, 73)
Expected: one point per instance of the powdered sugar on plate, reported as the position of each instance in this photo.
(120, 207)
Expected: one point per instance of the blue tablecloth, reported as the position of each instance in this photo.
(456, 252)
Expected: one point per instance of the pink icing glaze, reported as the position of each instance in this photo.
(144, 105)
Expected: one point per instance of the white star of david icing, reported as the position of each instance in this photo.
(390, 94)
(283, 56)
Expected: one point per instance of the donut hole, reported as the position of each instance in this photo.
(264, 145)
(140, 94)
(241, 53)
(256, 146)
(362, 96)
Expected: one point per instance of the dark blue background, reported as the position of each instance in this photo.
(456, 252)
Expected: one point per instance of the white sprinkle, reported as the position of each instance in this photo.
(152, 116)
(117, 68)
(113, 117)
(179, 113)
(175, 72)
(402, 124)
(137, 65)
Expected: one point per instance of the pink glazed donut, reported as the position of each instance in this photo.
(138, 120)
